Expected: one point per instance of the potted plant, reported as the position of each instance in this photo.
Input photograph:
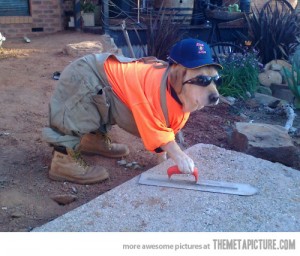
(88, 12)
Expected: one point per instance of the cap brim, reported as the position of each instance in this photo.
(201, 64)
(212, 64)
(198, 64)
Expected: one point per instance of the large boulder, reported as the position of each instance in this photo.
(266, 141)
(83, 48)
(269, 77)
(104, 44)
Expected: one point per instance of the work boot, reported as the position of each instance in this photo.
(100, 144)
(70, 166)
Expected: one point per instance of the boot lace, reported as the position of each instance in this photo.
(107, 140)
(78, 158)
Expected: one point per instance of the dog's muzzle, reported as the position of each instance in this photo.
(214, 98)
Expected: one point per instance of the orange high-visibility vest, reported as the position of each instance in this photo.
(138, 86)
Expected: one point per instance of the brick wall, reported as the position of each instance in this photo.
(46, 17)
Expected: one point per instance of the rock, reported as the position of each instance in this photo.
(74, 190)
(274, 104)
(297, 133)
(231, 100)
(26, 39)
(17, 214)
(133, 165)
(105, 43)
(269, 77)
(83, 48)
(243, 116)
(264, 90)
(248, 94)
(282, 91)
(264, 99)
(122, 162)
(277, 65)
(136, 167)
(64, 199)
(129, 165)
(270, 142)
(252, 103)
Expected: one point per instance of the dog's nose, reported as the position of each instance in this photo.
(213, 98)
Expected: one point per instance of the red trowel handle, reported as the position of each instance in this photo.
(174, 170)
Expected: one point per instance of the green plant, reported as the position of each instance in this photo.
(87, 6)
(292, 76)
(239, 74)
(274, 30)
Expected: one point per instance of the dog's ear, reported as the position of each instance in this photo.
(176, 75)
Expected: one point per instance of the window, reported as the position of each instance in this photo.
(14, 8)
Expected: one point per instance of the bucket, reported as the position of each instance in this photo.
(180, 10)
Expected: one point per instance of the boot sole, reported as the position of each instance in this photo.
(103, 154)
(77, 181)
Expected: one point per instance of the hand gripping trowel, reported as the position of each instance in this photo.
(201, 185)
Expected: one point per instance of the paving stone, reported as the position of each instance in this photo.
(133, 207)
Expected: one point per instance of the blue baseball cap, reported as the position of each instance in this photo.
(192, 53)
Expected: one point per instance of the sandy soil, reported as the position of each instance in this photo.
(26, 85)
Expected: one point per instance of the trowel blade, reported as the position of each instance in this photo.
(182, 182)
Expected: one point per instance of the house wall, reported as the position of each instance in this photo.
(46, 16)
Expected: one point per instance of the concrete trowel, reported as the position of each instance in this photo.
(184, 182)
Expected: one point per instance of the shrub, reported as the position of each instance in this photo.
(87, 6)
(239, 74)
(293, 78)
(274, 30)
(163, 31)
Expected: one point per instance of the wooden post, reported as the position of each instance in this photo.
(77, 8)
(127, 39)
(105, 18)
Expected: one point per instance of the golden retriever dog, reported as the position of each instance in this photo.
(146, 97)
(193, 97)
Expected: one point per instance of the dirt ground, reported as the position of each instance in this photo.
(26, 85)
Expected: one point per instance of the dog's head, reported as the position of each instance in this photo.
(193, 74)
(195, 88)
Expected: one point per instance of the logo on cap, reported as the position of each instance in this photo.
(201, 48)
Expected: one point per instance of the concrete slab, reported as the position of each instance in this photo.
(133, 207)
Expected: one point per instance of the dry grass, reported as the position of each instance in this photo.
(14, 53)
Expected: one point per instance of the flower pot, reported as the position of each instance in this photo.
(88, 19)
(245, 5)
(223, 15)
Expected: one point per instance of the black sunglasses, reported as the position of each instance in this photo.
(204, 80)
